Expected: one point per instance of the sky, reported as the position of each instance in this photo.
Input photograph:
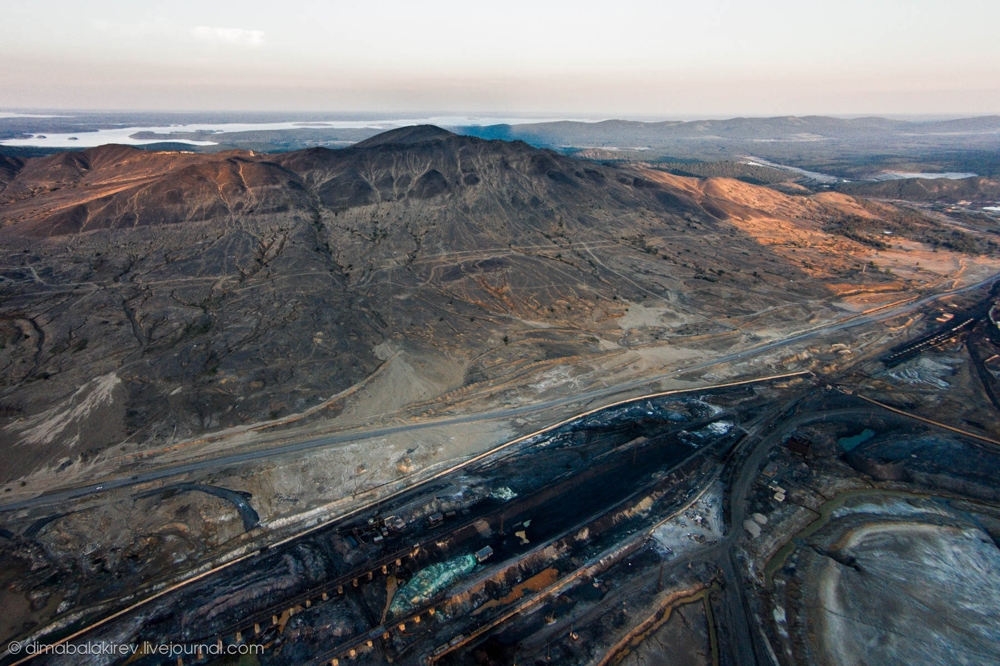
(621, 58)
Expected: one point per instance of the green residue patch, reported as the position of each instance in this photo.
(849, 443)
(428, 582)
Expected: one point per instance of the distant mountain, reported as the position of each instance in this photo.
(850, 148)
(847, 148)
(406, 136)
(624, 133)
(149, 296)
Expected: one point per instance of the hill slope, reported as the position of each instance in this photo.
(927, 189)
(153, 297)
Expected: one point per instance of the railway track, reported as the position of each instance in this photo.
(265, 624)
(910, 350)
(493, 454)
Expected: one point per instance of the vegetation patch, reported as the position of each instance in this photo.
(893, 222)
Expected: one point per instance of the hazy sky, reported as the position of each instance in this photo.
(615, 57)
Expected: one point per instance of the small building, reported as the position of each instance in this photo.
(435, 518)
(483, 554)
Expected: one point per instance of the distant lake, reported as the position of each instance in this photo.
(813, 175)
(886, 175)
(902, 175)
(6, 114)
(124, 135)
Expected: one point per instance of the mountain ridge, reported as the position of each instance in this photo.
(213, 291)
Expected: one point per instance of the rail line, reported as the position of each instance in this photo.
(367, 506)
(565, 540)
(600, 562)
(938, 424)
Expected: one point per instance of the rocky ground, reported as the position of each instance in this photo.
(153, 298)
(159, 308)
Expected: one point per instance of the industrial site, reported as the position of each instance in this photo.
(754, 519)
(435, 399)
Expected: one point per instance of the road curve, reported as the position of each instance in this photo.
(872, 316)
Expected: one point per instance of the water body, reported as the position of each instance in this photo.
(850, 443)
(887, 175)
(813, 175)
(903, 175)
(7, 114)
(125, 135)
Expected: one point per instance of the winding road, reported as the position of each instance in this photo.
(852, 321)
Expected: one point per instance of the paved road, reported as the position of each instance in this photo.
(743, 644)
(322, 442)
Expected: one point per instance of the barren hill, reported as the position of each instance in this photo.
(152, 297)
(928, 189)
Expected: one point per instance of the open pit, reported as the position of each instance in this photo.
(910, 593)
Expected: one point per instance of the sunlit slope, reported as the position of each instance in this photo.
(151, 297)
